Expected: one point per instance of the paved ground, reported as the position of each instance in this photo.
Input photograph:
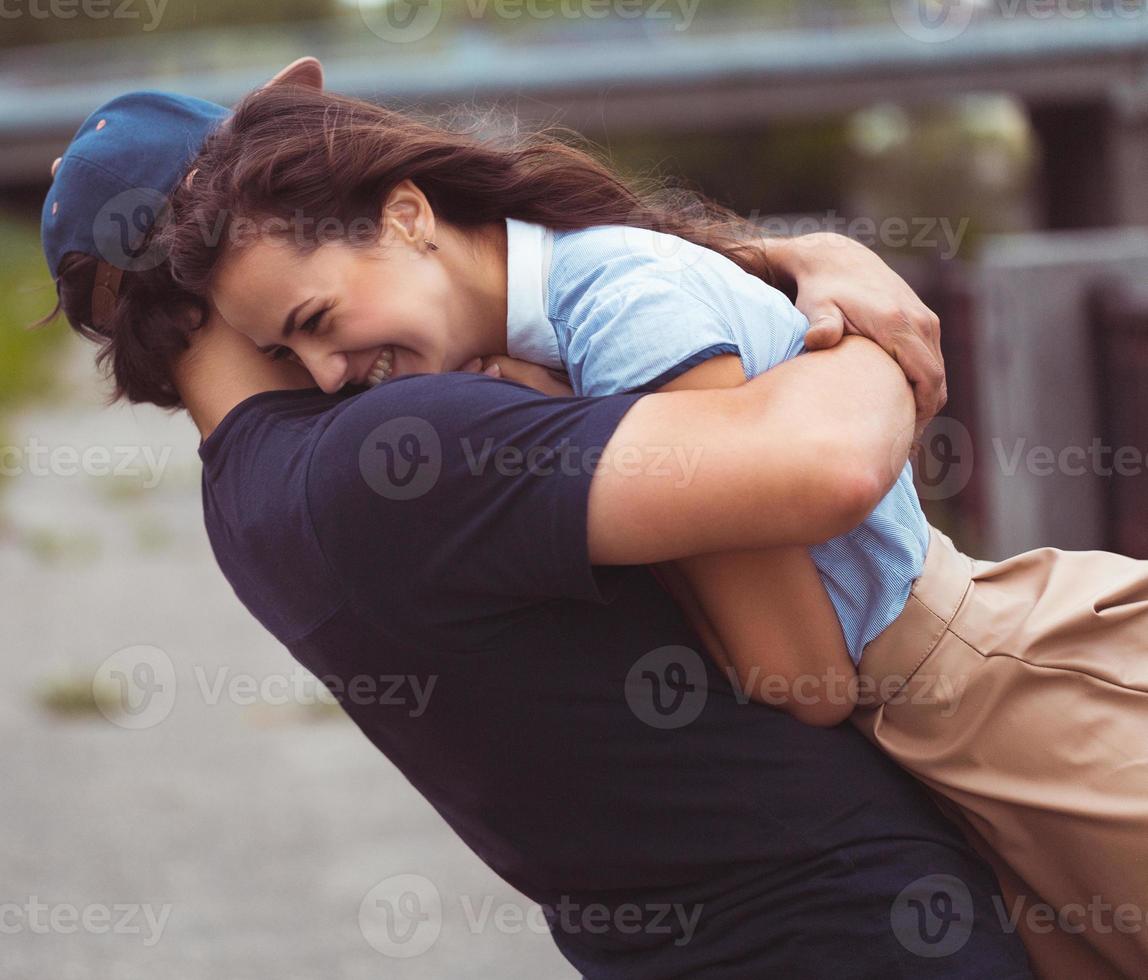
(251, 834)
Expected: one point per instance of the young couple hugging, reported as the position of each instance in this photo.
(689, 501)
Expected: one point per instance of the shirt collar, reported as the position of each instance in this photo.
(529, 333)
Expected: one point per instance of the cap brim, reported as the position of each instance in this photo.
(303, 71)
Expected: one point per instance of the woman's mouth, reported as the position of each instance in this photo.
(383, 367)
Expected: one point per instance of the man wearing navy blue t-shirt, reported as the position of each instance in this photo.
(494, 544)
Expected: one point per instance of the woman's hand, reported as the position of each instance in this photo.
(553, 383)
(843, 287)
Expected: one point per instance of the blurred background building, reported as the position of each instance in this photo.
(994, 151)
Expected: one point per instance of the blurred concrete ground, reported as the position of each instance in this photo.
(262, 827)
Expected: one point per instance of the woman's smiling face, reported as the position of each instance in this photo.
(350, 314)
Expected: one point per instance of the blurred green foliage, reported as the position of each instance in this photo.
(26, 294)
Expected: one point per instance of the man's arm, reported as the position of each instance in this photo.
(798, 455)
(842, 288)
(457, 496)
(761, 613)
(764, 613)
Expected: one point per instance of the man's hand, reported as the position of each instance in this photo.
(843, 287)
(527, 373)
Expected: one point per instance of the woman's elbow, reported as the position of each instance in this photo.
(860, 489)
(843, 495)
(823, 696)
(822, 712)
(822, 716)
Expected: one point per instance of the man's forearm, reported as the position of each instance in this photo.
(798, 455)
(781, 258)
(791, 259)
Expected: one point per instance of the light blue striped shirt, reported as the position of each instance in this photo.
(625, 309)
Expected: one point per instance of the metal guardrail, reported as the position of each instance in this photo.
(648, 77)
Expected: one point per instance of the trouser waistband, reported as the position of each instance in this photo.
(900, 650)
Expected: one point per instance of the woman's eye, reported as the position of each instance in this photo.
(279, 353)
(311, 324)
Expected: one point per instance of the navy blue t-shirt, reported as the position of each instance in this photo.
(435, 527)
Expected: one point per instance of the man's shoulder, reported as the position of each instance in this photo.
(256, 512)
(411, 437)
(444, 403)
(459, 497)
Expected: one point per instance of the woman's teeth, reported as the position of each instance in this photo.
(382, 368)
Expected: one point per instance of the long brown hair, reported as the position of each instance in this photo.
(315, 165)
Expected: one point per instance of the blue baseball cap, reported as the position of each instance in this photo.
(112, 183)
(119, 169)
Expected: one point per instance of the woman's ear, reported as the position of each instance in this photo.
(407, 214)
(307, 72)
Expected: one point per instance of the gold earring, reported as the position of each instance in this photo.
(429, 244)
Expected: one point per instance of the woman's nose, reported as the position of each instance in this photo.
(329, 370)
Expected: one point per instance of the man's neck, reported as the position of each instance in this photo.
(223, 368)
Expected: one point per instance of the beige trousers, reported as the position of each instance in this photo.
(1017, 691)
